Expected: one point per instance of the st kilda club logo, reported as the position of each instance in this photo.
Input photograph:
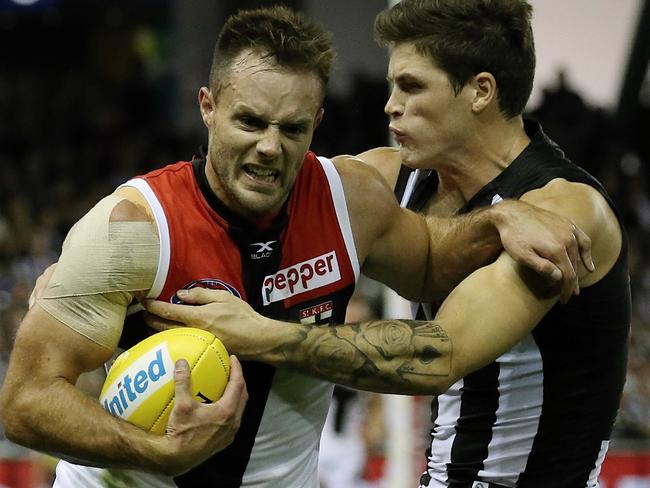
(209, 283)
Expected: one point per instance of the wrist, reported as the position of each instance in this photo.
(282, 342)
(496, 221)
(165, 456)
(499, 214)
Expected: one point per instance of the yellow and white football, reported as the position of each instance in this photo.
(140, 384)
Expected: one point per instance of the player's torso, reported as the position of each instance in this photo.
(301, 267)
(544, 410)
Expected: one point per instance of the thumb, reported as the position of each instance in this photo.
(182, 380)
(202, 296)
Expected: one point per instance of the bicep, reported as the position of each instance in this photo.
(46, 350)
(392, 243)
(399, 257)
(489, 312)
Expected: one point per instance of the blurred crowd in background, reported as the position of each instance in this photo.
(85, 110)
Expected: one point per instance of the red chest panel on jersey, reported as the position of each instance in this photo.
(203, 250)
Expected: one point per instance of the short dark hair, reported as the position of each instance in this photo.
(466, 37)
(278, 33)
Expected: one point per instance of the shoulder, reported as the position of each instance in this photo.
(589, 210)
(114, 225)
(128, 211)
(365, 188)
(578, 201)
(165, 183)
(132, 207)
(386, 160)
(371, 205)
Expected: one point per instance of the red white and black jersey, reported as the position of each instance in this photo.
(302, 267)
(540, 415)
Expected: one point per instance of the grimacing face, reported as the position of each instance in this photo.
(260, 127)
(427, 119)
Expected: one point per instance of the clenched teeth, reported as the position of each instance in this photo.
(261, 173)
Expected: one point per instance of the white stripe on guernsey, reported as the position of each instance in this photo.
(410, 186)
(408, 192)
(592, 482)
(341, 207)
(415, 306)
(444, 434)
(427, 308)
(163, 234)
(521, 391)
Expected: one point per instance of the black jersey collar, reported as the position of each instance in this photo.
(233, 219)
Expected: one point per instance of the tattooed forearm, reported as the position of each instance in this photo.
(401, 356)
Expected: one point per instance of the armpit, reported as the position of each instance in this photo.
(102, 266)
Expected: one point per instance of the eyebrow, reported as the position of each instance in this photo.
(402, 77)
(244, 108)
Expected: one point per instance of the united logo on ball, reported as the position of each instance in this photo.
(140, 385)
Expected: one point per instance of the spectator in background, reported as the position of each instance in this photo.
(570, 122)
(634, 417)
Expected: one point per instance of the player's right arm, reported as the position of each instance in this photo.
(74, 328)
(540, 240)
(386, 160)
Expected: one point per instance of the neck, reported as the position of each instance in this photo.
(225, 205)
(491, 149)
(213, 182)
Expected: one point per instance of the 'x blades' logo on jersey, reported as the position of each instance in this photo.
(263, 249)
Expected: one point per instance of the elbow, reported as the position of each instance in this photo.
(442, 384)
(432, 386)
(6, 412)
(434, 383)
(434, 366)
(13, 417)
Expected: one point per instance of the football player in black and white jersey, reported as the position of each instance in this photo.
(528, 387)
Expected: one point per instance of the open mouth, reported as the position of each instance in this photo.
(260, 173)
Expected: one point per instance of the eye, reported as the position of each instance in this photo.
(410, 86)
(294, 129)
(250, 122)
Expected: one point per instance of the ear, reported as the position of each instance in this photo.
(485, 91)
(206, 105)
(319, 117)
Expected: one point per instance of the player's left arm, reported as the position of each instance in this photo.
(489, 312)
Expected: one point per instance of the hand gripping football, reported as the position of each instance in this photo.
(140, 385)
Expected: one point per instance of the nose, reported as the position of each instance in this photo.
(269, 145)
(394, 107)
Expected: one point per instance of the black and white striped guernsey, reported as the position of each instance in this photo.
(541, 415)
